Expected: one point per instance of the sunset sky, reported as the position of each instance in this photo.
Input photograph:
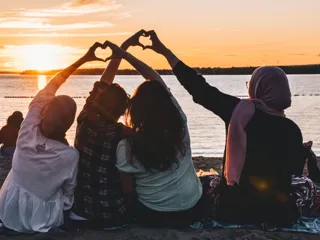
(50, 34)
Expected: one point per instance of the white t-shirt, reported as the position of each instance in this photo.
(42, 180)
(177, 189)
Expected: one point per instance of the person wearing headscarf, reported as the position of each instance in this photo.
(41, 183)
(264, 149)
(9, 133)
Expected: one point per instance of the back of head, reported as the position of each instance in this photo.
(15, 119)
(158, 126)
(271, 86)
(57, 117)
(111, 103)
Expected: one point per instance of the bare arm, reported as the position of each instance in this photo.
(56, 82)
(204, 94)
(146, 71)
(112, 68)
(160, 48)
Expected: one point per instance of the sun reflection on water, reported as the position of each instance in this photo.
(42, 82)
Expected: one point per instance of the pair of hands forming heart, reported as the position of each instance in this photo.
(156, 44)
(118, 52)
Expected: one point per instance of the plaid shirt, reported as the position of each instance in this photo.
(98, 195)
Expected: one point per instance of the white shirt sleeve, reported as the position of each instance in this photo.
(70, 183)
(41, 99)
(124, 163)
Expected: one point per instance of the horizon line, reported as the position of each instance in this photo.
(157, 69)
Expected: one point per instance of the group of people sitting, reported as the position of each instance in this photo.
(142, 172)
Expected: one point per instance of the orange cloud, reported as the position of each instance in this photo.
(86, 2)
(77, 8)
(62, 18)
(42, 24)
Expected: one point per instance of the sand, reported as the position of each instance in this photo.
(138, 233)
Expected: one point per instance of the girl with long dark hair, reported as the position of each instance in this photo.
(156, 163)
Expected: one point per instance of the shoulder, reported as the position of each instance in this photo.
(292, 127)
(70, 155)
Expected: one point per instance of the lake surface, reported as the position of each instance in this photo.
(207, 130)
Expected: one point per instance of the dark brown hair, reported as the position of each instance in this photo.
(112, 102)
(158, 127)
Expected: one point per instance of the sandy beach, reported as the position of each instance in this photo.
(138, 233)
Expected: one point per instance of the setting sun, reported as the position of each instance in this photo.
(41, 57)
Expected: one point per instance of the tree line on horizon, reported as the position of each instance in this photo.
(303, 69)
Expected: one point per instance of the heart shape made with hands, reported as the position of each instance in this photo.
(145, 40)
(103, 52)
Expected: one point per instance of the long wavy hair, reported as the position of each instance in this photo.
(158, 127)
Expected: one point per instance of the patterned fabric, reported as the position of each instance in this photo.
(98, 196)
(303, 190)
(307, 199)
(316, 206)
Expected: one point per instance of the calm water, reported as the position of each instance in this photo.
(206, 130)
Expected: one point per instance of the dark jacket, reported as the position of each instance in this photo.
(275, 152)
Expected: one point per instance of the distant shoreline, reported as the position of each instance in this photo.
(296, 69)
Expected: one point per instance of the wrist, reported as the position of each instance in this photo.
(125, 46)
(166, 52)
(171, 58)
(83, 60)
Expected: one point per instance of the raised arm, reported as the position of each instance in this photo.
(112, 68)
(208, 96)
(43, 96)
(146, 71)
(63, 75)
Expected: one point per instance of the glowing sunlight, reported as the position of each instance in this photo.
(41, 57)
(42, 82)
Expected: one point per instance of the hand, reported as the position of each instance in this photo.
(134, 40)
(157, 45)
(91, 56)
(117, 52)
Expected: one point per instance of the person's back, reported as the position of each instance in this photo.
(263, 148)
(159, 158)
(274, 153)
(40, 185)
(172, 190)
(98, 196)
(274, 148)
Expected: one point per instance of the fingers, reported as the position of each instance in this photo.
(151, 33)
(147, 47)
(100, 59)
(140, 45)
(142, 32)
(106, 44)
(108, 58)
(96, 45)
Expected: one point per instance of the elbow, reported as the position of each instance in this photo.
(197, 99)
